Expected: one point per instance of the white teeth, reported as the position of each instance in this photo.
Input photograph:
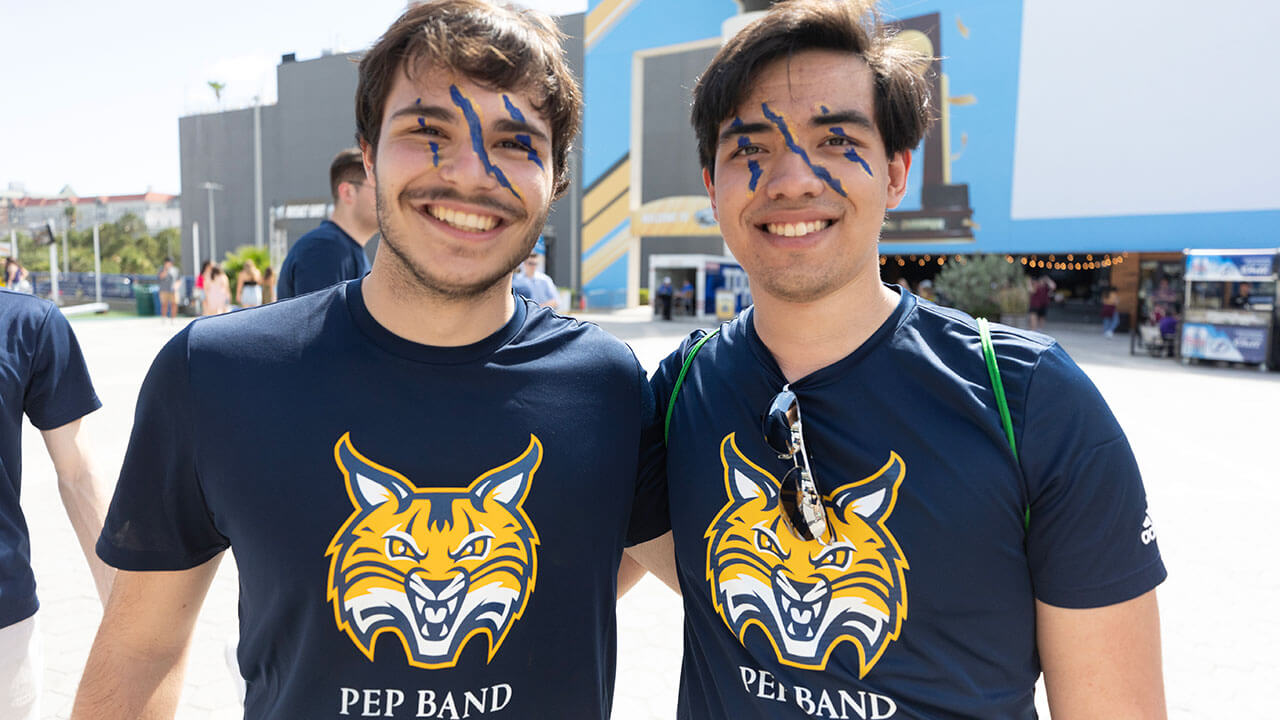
(463, 221)
(796, 229)
(801, 616)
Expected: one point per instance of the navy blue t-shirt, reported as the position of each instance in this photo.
(42, 374)
(417, 529)
(922, 603)
(323, 257)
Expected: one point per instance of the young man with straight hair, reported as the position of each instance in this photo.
(442, 540)
(334, 251)
(856, 533)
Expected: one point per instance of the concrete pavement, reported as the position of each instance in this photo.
(1203, 436)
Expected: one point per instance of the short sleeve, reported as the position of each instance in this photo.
(60, 390)
(158, 519)
(1090, 541)
(650, 516)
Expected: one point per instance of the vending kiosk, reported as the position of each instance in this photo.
(1230, 311)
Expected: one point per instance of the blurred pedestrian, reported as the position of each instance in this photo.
(1041, 290)
(249, 285)
(45, 379)
(334, 251)
(168, 279)
(16, 276)
(217, 291)
(665, 295)
(532, 283)
(1110, 312)
(269, 285)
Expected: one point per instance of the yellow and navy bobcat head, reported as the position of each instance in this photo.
(433, 567)
(808, 597)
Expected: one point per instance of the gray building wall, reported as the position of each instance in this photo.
(565, 221)
(669, 151)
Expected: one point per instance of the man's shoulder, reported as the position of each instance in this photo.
(945, 327)
(327, 237)
(584, 341)
(16, 307)
(277, 329)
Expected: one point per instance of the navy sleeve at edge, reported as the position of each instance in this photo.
(1089, 543)
(649, 513)
(60, 390)
(158, 519)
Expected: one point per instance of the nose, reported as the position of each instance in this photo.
(791, 176)
(467, 168)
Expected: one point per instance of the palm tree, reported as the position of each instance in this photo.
(217, 89)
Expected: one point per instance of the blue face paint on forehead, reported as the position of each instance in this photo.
(513, 110)
(822, 173)
(477, 138)
(852, 153)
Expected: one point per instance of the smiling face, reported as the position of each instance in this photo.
(802, 180)
(462, 187)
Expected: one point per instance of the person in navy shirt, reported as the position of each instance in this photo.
(334, 251)
(441, 539)
(43, 377)
(855, 533)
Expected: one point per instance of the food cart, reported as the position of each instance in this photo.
(1230, 306)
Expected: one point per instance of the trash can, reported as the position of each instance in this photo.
(145, 299)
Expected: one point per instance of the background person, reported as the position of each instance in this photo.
(531, 282)
(168, 279)
(334, 251)
(665, 295)
(45, 379)
(1041, 290)
(217, 291)
(249, 285)
(269, 285)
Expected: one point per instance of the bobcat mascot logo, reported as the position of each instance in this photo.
(432, 567)
(808, 597)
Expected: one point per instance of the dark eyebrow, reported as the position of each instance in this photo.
(739, 128)
(429, 112)
(507, 125)
(844, 117)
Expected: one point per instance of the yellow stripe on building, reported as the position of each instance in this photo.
(600, 196)
(607, 255)
(604, 223)
(604, 17)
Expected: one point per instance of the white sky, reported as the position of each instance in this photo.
(92, 91)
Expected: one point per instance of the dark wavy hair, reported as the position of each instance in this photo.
(505, 48)
(902, 104)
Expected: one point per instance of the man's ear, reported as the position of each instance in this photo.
(711, 192)
(899, 166)
(366, 157)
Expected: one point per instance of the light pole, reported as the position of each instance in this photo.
(213, 228)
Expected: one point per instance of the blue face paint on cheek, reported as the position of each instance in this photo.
(822, 173)
(518, 116)
(852, 153)
(752, 166)
(477, 138)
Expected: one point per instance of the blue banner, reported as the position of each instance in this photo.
(1224, 342)
(1230, 267)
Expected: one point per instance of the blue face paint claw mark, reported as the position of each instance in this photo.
(513, 110)
(824, 109)
(822, 173)
(852, 154)
(435, 154)
(477, 138)
(752, 165)
(525, 140)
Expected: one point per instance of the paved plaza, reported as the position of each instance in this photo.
(1203, 436)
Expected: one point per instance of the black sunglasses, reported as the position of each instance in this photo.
(802, 507)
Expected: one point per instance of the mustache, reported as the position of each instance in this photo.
(515, 212)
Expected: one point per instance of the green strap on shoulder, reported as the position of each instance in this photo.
(993, 370)
(675, 390)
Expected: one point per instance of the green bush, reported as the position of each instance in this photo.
(983, 286)
(644, 296)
